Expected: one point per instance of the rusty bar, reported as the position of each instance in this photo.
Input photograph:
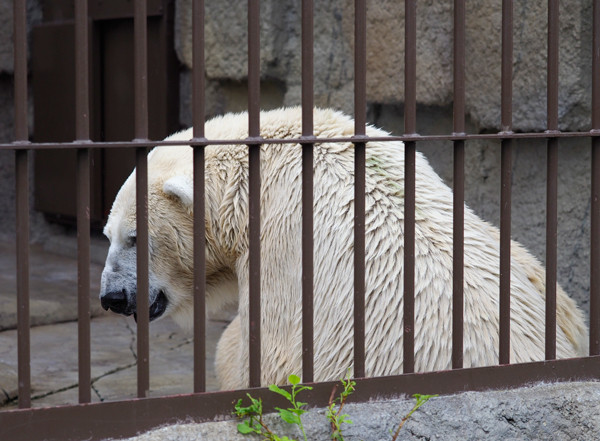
(253, 68)
(199, 272)
(402, 138)
(83, 274)
(20, 69)
(595, 222)
(595, 251)
(198, 98)
(82, 90)
(360, 66)
(505, 228)
(410, 127)
(307, 67)
(410, 67)
(506, 172)
(505, 216)
(22, 202)
(254, 191)
(198, 111)
(307, 265)
(22, 227)
(82, 129)
(143, 310)
(140, 29)
(360, 108)
(552, 179)
(459, 67)
(507, 60)
(552, 64)
(254, 264)
(458, 238)
(307, 192)
(359, 259)
(458, 234)
(551, 246)
(409, 256)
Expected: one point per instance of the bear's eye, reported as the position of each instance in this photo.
(131, 241)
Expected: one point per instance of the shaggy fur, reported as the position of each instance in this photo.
(170, 196)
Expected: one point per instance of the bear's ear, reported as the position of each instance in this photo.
(181, 187)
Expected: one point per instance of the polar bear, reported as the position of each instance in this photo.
(171, 264)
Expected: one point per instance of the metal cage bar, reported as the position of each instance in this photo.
(254, 191)
(506, 173)
(198, 116)
(22, 202)
(141, 133)
(360, 117)
(410, 126)
(552, 178)
(458, 234)
(82, 129)
(595, 221)
(307, 192)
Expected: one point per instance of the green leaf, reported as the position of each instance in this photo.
(294, 379)
(282, 392)
(245, 428)
(288, 417)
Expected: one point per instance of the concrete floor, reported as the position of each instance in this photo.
(53, 314)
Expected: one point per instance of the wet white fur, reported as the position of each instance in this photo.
(170, 174)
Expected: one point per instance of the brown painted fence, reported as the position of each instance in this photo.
(99, 420)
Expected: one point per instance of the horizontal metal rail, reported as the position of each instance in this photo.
(300, 140)
(101, 420)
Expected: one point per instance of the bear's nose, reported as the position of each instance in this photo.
(116, 301)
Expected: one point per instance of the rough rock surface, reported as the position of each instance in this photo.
(563, 411)
(34, 14)
(226, 54)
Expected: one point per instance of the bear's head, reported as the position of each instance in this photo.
(170, 226)
(170, 241)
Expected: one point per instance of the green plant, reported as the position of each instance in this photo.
(292, 415)
(336, 417)
(254, 413)
(421, 399)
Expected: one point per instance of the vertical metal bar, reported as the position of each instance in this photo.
(595, 227)
(198, 110)
(410, 127)
(82, 129)
(360, 106)
(254, 190)
(198, 98)
(141, 133)
(22, 218)
(459, 186)
(141, 69)
(253, 68)
(552, 179)
(143, 309)
(83, 274)
(22, 202)
(307, 193)
(410, 67)
(505, 195)
(20, 69)
(199, 272)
